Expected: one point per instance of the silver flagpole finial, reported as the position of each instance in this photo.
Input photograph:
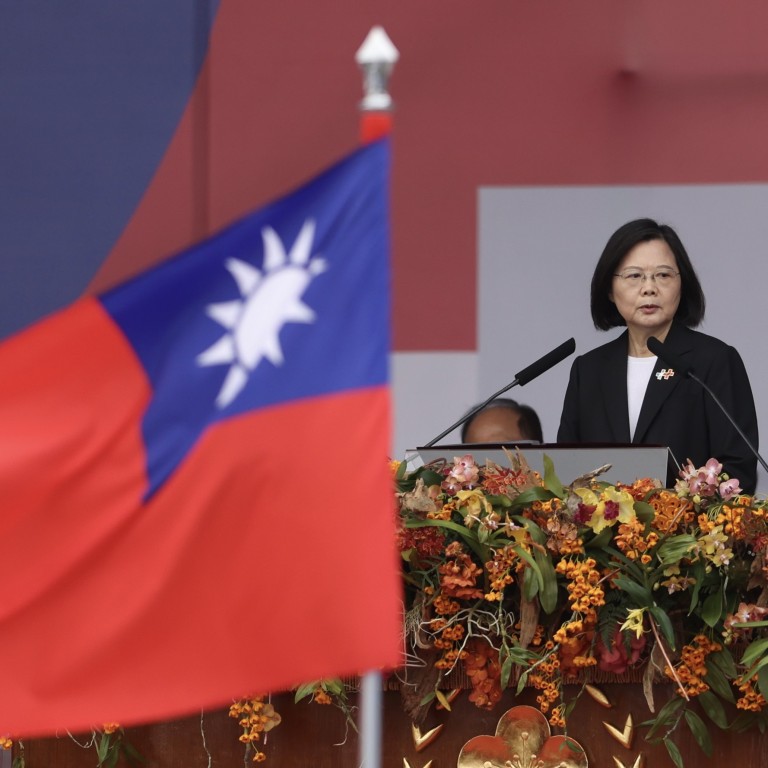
(376, 57)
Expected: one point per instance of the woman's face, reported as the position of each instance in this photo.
(648, 293)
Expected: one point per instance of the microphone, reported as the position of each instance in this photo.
(543, 364)
(534, 370)
(670, 358)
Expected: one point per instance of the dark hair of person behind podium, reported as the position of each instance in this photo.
(526, 427)
(690, 312)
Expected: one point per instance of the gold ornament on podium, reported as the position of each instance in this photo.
(523, 740)
(624, 737)
(596, 693)
(637, 764)
(423, 740)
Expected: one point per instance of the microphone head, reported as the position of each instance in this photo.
(545, 363)
(655, 346)
(668, 357)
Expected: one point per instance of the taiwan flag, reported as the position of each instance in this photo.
(196, 498)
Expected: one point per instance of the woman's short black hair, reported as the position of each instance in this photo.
(622, 241)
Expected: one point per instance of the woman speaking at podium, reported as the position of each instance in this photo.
(621, 392)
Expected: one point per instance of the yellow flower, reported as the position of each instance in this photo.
(611, 505)
(624, 500)
(475, 502)
(634, 622)
(713, 547)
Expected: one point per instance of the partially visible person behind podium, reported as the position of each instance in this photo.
(621, 393)
(503, 420)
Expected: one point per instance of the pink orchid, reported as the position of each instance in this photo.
(463, 474)
(702, 481)
(746, 612)
(712, 470)
(730, 488)
(688, 471)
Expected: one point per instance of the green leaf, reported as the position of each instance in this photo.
(133, 755)
(530, 583)
(567, 709)
(506, 670)
(527, 498)
(307, 689)
(717, 681)
(520, 656)
(762, 682)
(723, 660)
(749, 624)
(102, 747)
(699, 731)
(551, 480)
(674, 549)
(640, 594)
(430, 477)
(664, 624)
(600, 540)
(535, 532)
(427, 698)
(712, 609)
(755, 668)
(674, 752)
(714, 709)
(754, 651)
(112, 757)
(644, 512)
(666, 716)
(334, 685)
(548, 583)
(534, 567)
(744, 721)
(697, 573)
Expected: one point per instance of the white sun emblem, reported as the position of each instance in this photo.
(269, 299)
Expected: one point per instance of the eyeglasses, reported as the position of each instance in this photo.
(636, 277)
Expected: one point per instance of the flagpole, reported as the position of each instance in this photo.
(376, 58)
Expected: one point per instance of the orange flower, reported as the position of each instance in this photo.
(481, 664)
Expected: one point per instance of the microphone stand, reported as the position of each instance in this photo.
(522, 377)
(730, 419)
(469, 415)
(673, 361)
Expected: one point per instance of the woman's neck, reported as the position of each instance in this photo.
(638, 340)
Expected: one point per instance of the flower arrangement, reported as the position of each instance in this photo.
(516, 579)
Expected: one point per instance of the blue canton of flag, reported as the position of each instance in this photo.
(267, 311)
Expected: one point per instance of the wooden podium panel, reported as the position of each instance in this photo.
(316, 736)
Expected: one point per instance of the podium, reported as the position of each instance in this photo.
(612, 706)
(627, 462)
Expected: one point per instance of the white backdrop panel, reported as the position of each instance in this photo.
(537, 249)
(430, 391)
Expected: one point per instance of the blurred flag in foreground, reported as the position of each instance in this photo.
(196, 500)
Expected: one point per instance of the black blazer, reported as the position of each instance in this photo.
(676, 412)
